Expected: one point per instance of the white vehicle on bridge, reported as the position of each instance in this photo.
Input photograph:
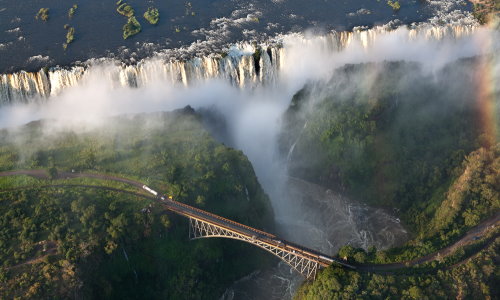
(150, 190)
(326, 258)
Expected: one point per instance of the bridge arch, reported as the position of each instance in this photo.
(304, 265)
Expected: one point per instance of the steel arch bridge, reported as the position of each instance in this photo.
(203, 224)
(301, 263)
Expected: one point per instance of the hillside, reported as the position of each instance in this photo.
(469, 271)
(394, 135)
(76, 242)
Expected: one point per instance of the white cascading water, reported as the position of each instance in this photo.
(238, 67)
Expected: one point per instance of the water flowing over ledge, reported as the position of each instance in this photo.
(244, 64)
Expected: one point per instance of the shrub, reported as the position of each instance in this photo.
(125, 10)
(70, 35)
(394, 4)
(42, 14)
(152, 15)
(72, 11)
(132, 27)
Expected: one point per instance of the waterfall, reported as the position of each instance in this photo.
(23, 86)
(290, 152)
(238, 69)
(243, 65)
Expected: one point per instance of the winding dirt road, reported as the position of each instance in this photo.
(42, 174)
(472, 235)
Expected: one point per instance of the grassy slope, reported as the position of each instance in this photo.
(389, 135)
(92, 229)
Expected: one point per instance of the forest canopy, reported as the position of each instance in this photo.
(392, 135)
(93, 242)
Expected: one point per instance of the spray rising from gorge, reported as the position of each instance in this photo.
(251, 88)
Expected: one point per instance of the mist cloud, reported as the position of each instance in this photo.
(252, 114)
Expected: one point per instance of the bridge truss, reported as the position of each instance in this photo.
(304, 265)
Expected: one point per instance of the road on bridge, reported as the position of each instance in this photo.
(250, 232)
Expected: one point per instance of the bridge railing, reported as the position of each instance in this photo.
(203, 212)
(193, 212)
(270, 238)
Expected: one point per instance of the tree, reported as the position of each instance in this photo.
(200, 200)
(346, 252)
(52, 171)
(43, 14)
(110, 247)
(165, 221)
(415, 293)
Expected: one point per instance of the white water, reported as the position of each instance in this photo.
(238, 67)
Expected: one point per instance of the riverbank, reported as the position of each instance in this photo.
(485, 10)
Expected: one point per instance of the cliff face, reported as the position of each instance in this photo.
(473, 197)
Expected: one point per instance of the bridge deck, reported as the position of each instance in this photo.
(193, 212)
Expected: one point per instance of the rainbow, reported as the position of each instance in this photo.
(486, 80)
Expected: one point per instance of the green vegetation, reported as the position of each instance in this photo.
(486, 11)
(152, 15)
(43, 14)
(72, 10)
(472, 197)
(476, 278)
(394, 4)
(70, 35)
(132, 27)
(125, 10)
(61, 242)
(392, 136)
(387, 143)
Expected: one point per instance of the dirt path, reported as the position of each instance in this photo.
(81, 186)
(42, 174)
(50, 251)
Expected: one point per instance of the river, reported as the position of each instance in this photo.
(186, 28)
